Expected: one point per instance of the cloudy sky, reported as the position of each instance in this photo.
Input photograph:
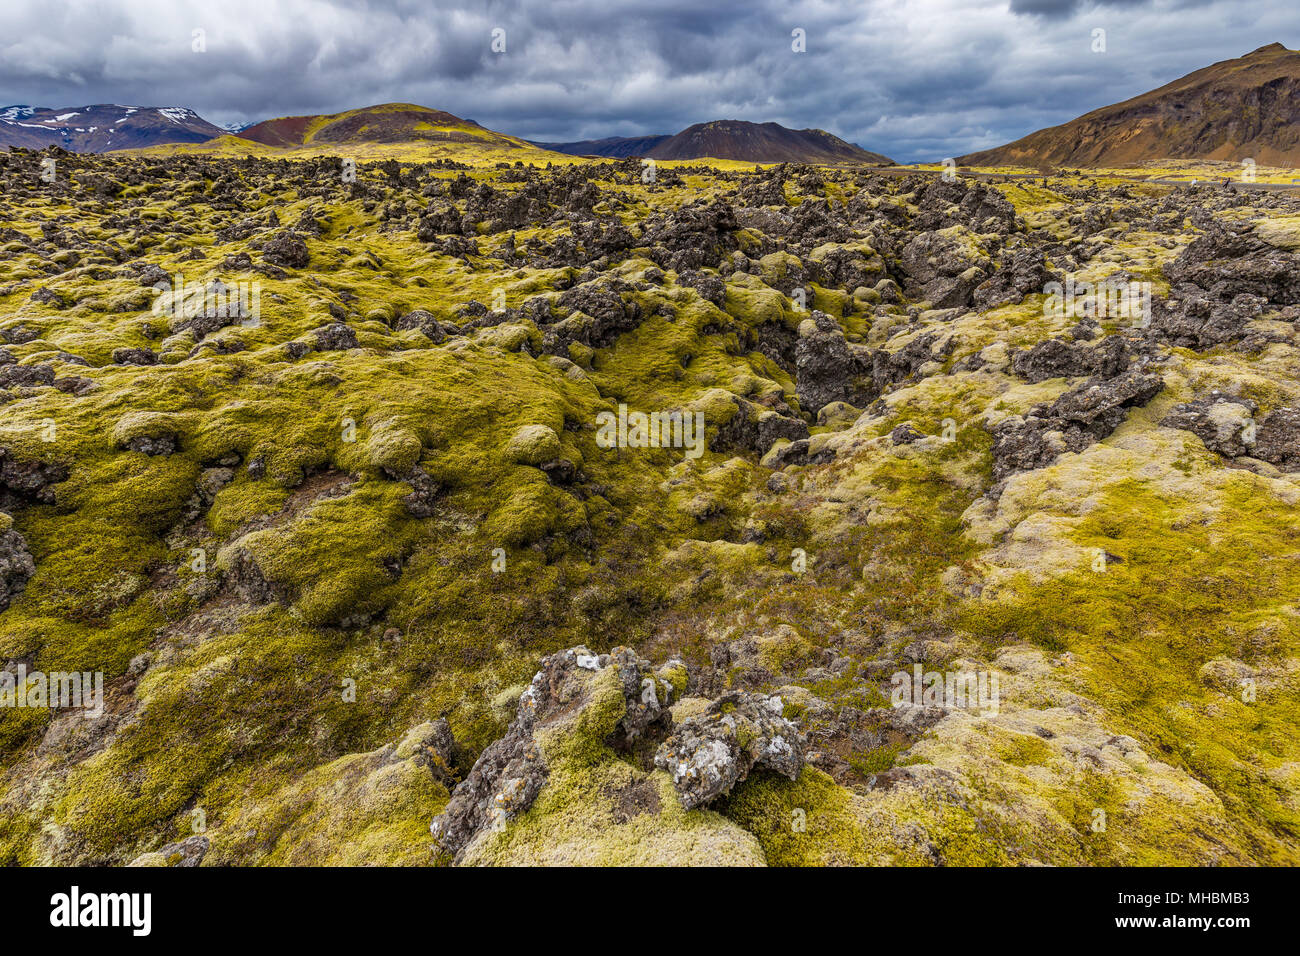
(914, 79)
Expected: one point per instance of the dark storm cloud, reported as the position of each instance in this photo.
(915, 79)
(1057, 9)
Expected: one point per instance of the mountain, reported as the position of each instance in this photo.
(389, 123)
(1237, 109)
(730, 139)
(762, 142)
(101, 128)
(615, 147)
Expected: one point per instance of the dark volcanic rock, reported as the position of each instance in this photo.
(1220, 282)
(335, 338)
(1021, 273)
(943, 269)
(1077, 419)
(1052, 358)
(16, 564)
(1227, 425)
(1217, 420)
(755, 428)
(709, 286)
(599, 316)
(134, 357)
(422, 501)
(824, 366)
(23, 480)
(287, 250)
(26, 376)
(904, 434)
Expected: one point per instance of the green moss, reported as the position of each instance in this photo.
(1185, 593)
(806, 822)
(1022, 750)
(393, 448)
(533, 445)
(877, 760)
(320, 560)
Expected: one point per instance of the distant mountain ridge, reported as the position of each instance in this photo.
(107, 127)
(102, 128)
(614, 147)
(730, 139)
(1247, 108)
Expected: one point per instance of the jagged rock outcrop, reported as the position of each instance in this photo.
(1227, 425)
(337, 337)
(617, 704)
(710, 753)
(25, 480)
(751, 427)
(1277, 440)
(1053, 358)
(1021, 272)
(288, 250)
(824, 365)
(1074, 421)
(945, 267)
(508, 775)
(1224, 279)
(427, 323)
(598, 315)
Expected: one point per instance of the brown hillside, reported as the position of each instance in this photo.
(1237, 109)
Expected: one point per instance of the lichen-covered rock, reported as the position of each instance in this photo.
(709, 286)
(1277, 440)
(571, 690)
(1022, 272)
(425, 322)
(598, 315)
(904, 434)
(25, 479)
(422, 501)
(151, 433)
(889, 368)
(337, 337)
(26, 376)
(1224, 279)
(392, 448)
(945, 266)
(1224, 423)
(134, 356)
(709, 754)
(187, 853)
(737, 424)
(573, 780)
